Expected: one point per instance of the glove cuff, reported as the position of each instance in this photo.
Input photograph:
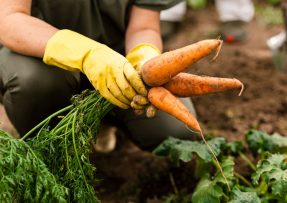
(141, 54)
(68, 49)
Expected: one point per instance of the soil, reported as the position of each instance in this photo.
(129, 174)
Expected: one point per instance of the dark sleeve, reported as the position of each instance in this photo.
(156, 4)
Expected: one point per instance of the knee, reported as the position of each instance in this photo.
(34, 83)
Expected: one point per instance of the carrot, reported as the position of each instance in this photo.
(166, 101)
(162, 99)
(162, 68)
(187, 85)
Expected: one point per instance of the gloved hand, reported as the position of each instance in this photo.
(108, 71)
(137, 57)
(141, 54)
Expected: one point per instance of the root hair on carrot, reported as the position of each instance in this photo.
(217, 50)
(214, 156)
(242, 89)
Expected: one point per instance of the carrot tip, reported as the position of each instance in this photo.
(242, 89)
(192, 130)
(217, 51)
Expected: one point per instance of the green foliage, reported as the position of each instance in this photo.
(260, 141)
(269, 15)
(207, 192)
(68, 145)
(54, 165)
(238, 196)
(183, 150)
(266, 183)
(23, 175)
(197, 4)
(273, 170)
(234, 148)
(211, 189)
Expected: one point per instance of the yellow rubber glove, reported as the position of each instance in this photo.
(137, 57)
(108, 71)
(141, 54)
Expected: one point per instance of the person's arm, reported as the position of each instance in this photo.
(21, 32)
(143, 27)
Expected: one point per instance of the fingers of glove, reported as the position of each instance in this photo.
(140, 100)
(136, 106)
(134, 79)
(125, 87)
(104, 91)
(151, 111)
(138, 66)
(114, 89)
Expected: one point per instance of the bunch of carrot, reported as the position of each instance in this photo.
(167, 81)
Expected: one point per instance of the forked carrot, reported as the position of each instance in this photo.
(187, 85)
(164, 100)
(162, 68)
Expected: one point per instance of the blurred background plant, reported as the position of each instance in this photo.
(197, 4)
(270, 13)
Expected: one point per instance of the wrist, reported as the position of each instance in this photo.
(68, 49)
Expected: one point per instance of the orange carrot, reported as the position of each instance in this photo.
(162, 68)
(187, 85)
(162, 99)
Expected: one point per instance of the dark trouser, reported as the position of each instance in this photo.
(31, 90)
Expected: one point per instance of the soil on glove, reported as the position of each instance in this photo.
(129, 174)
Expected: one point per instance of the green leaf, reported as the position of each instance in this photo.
(183, 150)
(207, 191)
(260, 141)
(238, 196)
(227, 166)
(211, 190)
(201, 168)
(233, 147)
(273, 170)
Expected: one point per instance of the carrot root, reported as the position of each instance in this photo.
(217, 51)
(216, 160)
